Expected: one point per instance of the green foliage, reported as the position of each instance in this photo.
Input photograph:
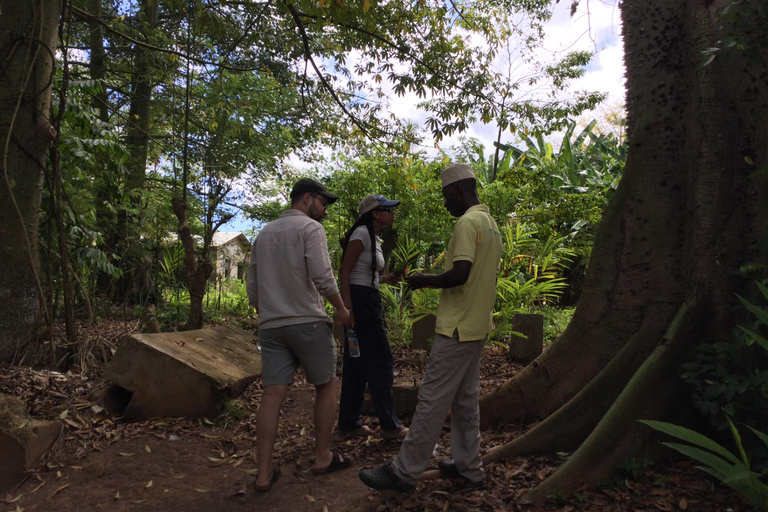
(227, 298)
(234, 411)
(396, 300)
(402, 305)
(730, 378)
(170, 267)
(529, 277)
(733, 471)
(564, 191)
(555, 322)
(629, 469)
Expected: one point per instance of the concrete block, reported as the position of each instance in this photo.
(189, 373)
(23, 440)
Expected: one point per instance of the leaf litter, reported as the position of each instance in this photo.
(72, 396)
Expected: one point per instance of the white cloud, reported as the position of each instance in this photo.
(595, 27)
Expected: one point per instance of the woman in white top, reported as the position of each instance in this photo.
(362, 262)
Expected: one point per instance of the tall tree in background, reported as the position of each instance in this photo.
(317, 69)
(691, 210)
(28, 32)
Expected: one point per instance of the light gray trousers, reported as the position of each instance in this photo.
(451, 382)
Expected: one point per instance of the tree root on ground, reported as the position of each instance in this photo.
(565, 429)
(619, 436)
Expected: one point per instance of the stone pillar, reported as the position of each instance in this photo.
(423, 332)
(525, 350)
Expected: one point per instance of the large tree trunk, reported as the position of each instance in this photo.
(126, 234)
(28, 32)
(692, 208)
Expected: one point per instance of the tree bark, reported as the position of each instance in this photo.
(126, 234)
(28, 33)
(198, 269)
(691, 210)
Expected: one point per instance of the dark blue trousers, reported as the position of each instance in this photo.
(374, 367)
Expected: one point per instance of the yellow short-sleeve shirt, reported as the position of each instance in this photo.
(469, 307)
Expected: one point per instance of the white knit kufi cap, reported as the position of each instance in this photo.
(456, 172)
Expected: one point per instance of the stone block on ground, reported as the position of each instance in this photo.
(525, 350)
(406, 395)
(190, 373)
(423, 332)
(23, 439)
(417, 358)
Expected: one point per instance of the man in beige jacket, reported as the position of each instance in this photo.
(290, 273)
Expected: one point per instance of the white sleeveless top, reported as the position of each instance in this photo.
(361, 272)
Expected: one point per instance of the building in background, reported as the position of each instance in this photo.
(230, 253)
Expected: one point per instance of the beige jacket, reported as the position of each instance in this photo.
(290, 272)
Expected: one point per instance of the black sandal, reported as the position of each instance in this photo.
(265, 488)
(337, 463)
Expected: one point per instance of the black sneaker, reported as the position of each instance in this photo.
(448, 469)
(383, 477)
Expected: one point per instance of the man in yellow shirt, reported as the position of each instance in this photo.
(464, 317)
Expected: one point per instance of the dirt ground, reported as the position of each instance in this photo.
(167, 464)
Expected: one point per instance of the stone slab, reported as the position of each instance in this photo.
(188, 373)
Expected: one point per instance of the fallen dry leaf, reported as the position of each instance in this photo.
(683, 504)
(54, 493)
(310, 498)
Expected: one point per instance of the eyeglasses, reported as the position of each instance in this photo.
(322, 201)
(385, 209)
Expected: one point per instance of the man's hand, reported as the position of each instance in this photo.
(344, 317)
(418, 280)
(389, 279)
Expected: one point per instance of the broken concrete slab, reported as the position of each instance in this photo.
(23, 439)
(190, 373)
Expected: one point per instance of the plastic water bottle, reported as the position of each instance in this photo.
(354, 346)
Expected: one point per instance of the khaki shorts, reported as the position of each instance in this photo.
(310, 345)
